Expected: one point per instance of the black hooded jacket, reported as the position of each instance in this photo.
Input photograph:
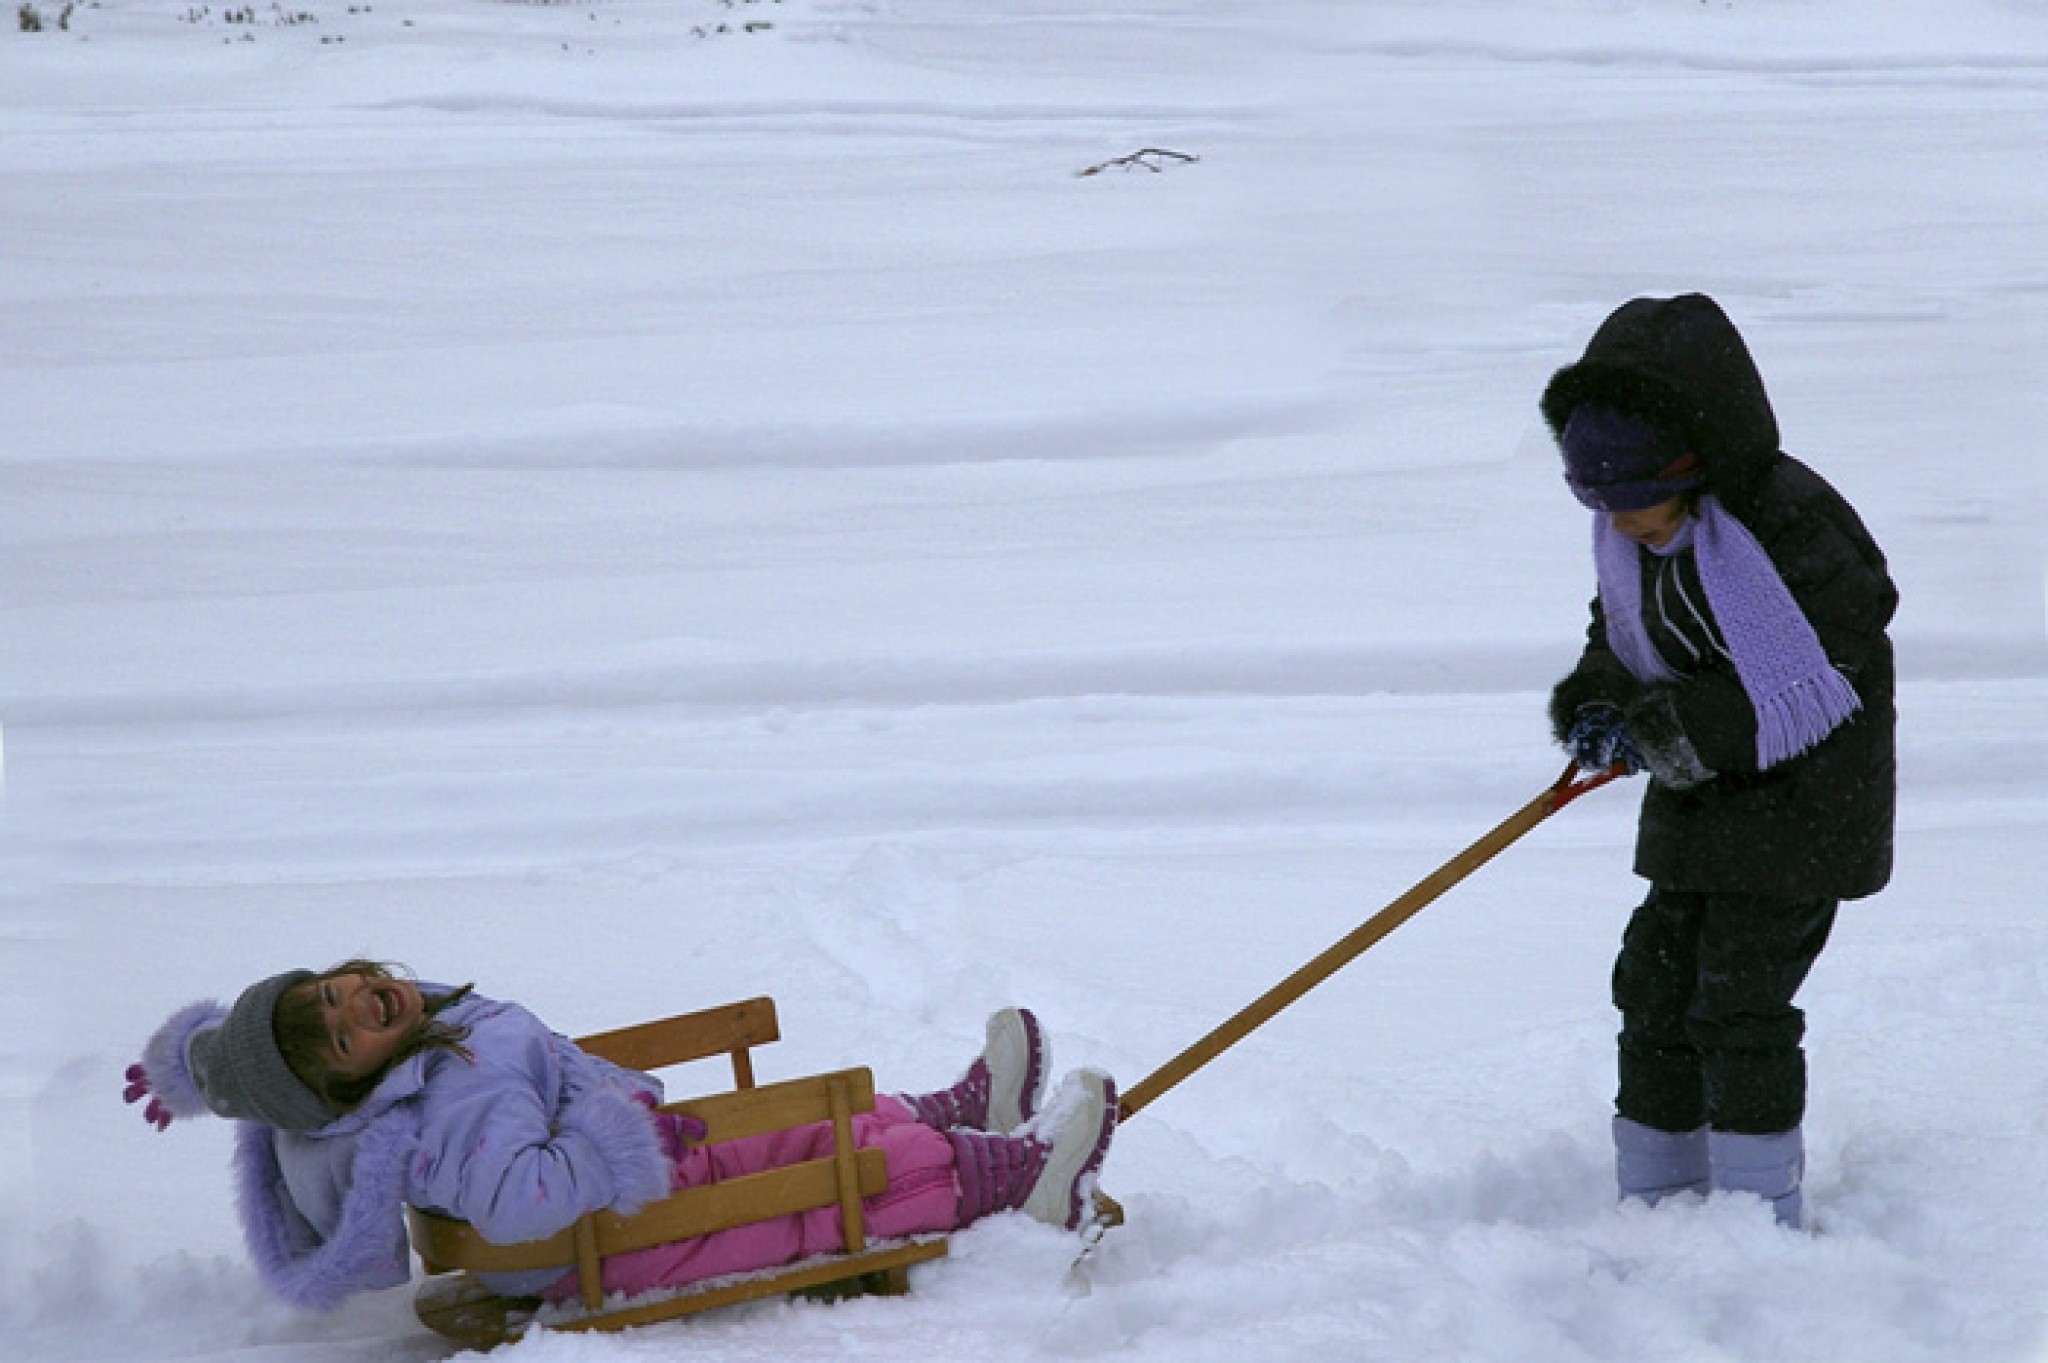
(1814, 826)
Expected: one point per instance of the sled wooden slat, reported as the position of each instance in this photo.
(712, 1207)
(886, 1264)
(459, 1306)
(846, 1176)
(731, 1029)
(739, 1201)
(589, 1261)
(776, 1107)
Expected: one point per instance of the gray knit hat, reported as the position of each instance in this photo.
(241, 1073)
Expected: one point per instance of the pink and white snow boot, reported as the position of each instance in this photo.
(1005, 1086)
(1076, 1129)
(1048, 1170)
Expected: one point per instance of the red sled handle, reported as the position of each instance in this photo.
(1576, 781)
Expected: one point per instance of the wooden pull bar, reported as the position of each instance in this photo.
(1262, 1009)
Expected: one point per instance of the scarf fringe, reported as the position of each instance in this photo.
(1801, 715)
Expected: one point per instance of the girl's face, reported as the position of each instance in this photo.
(1653, 525)
(367, 1020)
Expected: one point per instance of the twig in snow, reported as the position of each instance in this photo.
(1154, 159)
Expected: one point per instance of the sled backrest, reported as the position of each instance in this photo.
(731, 1029)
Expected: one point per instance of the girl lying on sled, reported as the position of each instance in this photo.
(359, 1092)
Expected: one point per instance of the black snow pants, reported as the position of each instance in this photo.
(1709, 1036)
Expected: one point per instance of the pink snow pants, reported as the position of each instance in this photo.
(922, 1197)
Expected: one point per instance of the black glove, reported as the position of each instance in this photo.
(1584, 688)
(1599, 738)
(1660, 743)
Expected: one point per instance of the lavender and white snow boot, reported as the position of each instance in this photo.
(1773, 1167)
(1651, 1165)
(1004, 1087)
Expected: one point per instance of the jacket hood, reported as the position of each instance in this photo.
(1680, 363)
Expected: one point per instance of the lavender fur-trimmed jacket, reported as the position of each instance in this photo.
(519, 1142)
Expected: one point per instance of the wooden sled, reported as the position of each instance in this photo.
(455, 1304)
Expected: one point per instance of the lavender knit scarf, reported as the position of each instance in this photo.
(1799, 696)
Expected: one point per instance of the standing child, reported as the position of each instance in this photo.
(1737, 651)
(359, 1091)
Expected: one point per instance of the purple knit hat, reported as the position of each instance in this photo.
(1617, 462)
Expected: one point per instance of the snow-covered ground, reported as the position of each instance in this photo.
(641, 502)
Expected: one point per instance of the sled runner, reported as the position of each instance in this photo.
(455, 1304)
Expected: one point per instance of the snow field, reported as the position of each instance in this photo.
(637, 517)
